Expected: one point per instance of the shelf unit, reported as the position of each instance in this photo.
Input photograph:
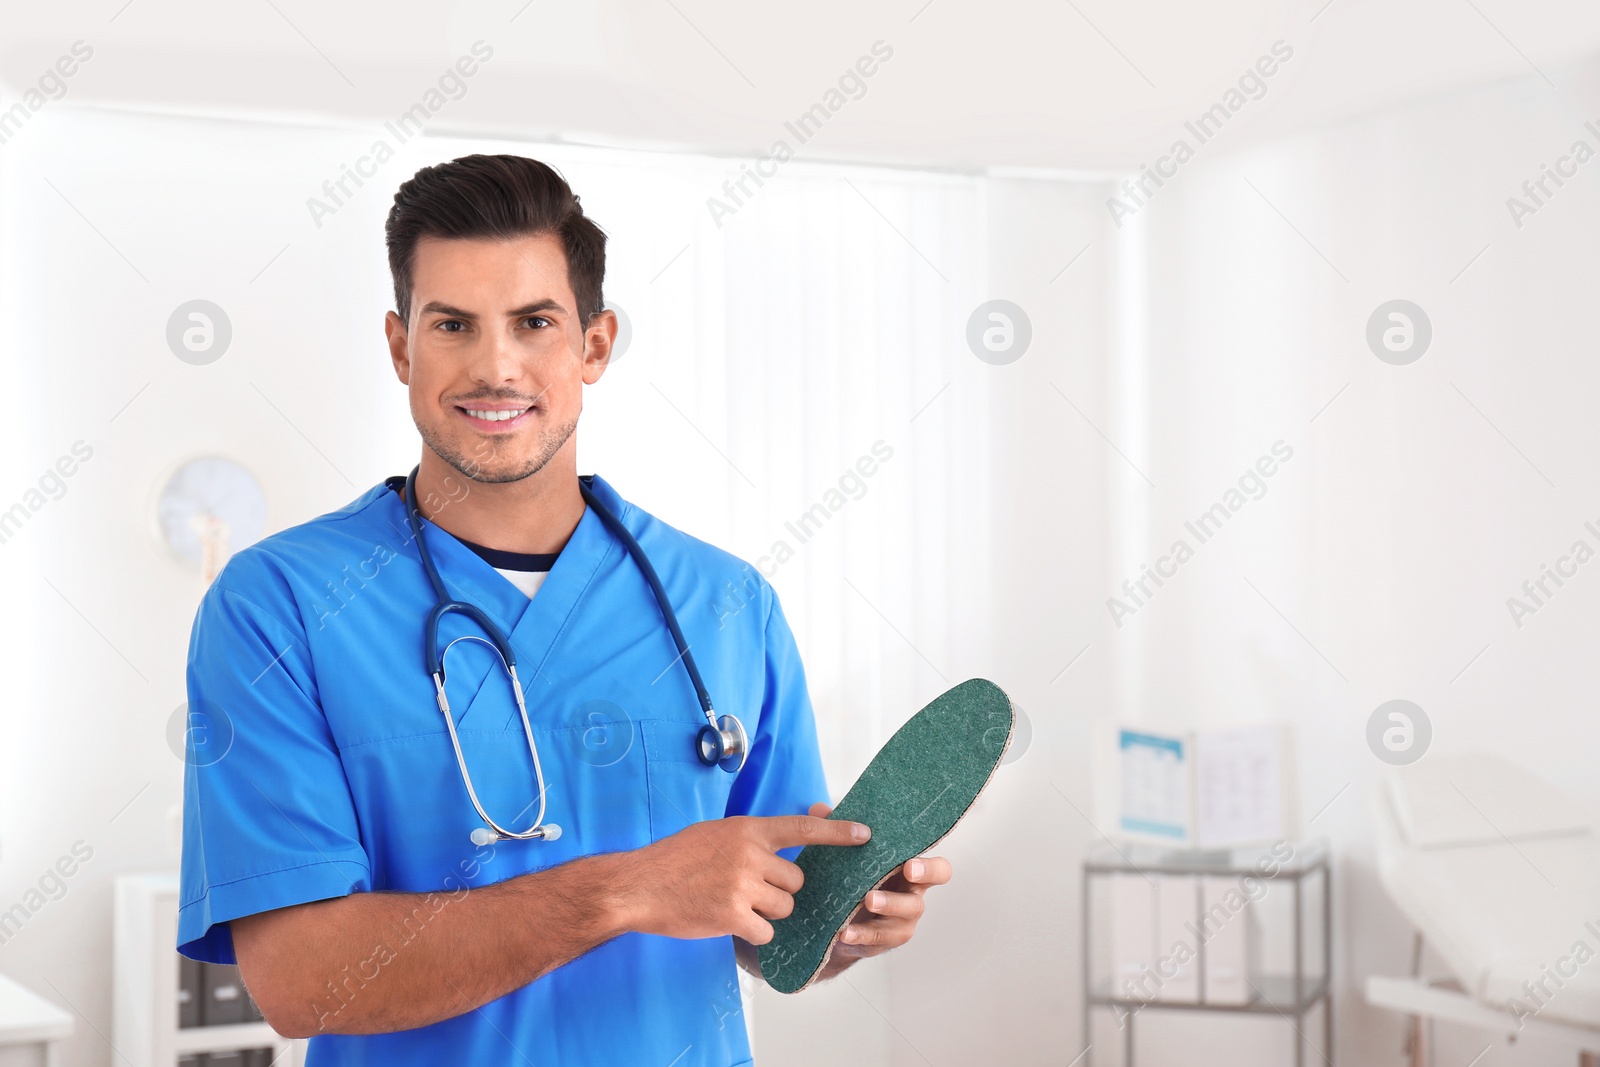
(1288, 996)
(145, 995)
(33, 1030)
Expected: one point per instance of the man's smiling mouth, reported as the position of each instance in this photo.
(496, 416)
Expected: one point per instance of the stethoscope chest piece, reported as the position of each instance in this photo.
(725, 745)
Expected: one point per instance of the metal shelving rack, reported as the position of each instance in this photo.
(1289, 996)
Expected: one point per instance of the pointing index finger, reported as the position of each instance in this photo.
(787, 830)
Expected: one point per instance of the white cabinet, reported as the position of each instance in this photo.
(31, 1028)
(145, 997)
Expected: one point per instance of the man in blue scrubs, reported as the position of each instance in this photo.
(327, 829)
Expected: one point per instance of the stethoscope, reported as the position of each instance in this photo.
(721, 742)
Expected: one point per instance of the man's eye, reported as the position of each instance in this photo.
(537, 318)
(451, 322)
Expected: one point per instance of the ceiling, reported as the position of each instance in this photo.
(1075, 85)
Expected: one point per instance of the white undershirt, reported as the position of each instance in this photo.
(527, 581)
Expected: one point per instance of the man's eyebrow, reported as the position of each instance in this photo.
(440, 308)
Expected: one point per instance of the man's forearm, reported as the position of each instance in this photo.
(380, 962)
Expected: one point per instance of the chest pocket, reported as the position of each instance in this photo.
(682, 790)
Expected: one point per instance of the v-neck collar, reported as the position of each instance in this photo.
(531, 625)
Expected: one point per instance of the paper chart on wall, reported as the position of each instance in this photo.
(1154, 774)
(1239, 785)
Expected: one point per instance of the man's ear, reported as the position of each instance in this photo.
(395, 331)
(598, 338)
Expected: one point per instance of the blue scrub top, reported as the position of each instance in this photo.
(319, 764)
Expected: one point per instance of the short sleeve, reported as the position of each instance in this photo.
(784, 775)
(268, 818)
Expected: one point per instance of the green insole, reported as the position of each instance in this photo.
(914, 791)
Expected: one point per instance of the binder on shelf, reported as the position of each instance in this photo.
(189, 992)
(224, 1000)
(1226, 921)
(1133, 936)
(148, 978)
(1177, 948)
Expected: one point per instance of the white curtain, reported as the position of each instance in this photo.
(817, 333)
(819, 329)
(769, 356)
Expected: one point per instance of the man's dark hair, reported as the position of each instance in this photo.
(499, 196)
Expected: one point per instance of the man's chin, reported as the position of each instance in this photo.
(508, 457)
(498, 471)
(483, 461)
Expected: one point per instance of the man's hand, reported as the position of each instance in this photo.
(888, 916)
(724, 876)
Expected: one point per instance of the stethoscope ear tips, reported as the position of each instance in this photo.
(483, 836)
(726, 745)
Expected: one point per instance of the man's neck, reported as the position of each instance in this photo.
(534, 515)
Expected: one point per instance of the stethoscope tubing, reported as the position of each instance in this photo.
(721, 742)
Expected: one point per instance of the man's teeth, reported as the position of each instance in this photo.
(494, 416)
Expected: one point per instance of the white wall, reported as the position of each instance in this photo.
(993, 976)
(110, 222)
(825, 315)
(1176, 349)
(1405, 518)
